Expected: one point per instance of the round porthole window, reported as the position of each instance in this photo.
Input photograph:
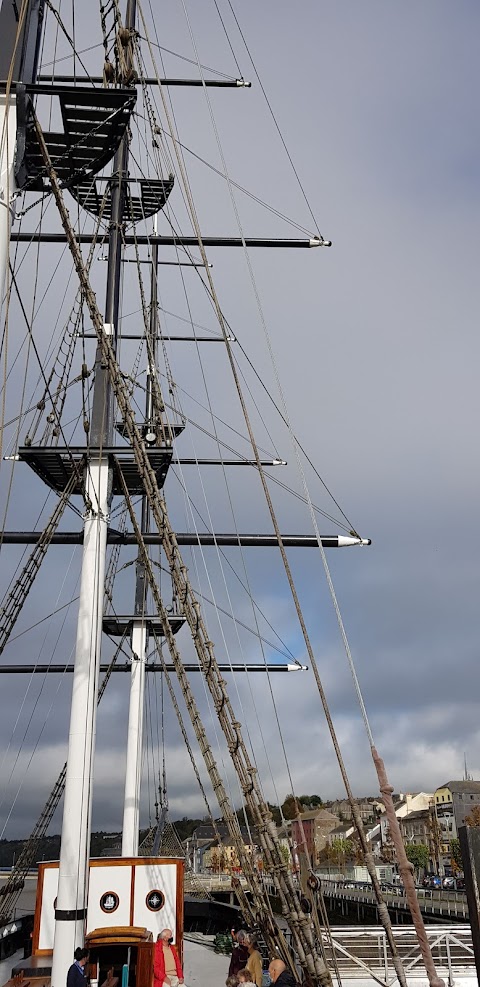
(109, 902)
(155, 900)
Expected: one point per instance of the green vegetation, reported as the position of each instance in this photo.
(49, 846)
(419, 855)
(341, 850)
(311, 801)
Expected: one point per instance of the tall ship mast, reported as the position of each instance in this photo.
(92, 163)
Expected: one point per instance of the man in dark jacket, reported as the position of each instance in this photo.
(239, 953)
(280, 976)
(76, 973)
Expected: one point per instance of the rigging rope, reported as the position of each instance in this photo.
(251, 195)
(154, 491)
(218, 787)
(405, 867)
(287, 152)
(170, 547)
(382, 908)
(186, 740)
(383, 911)
(255, 617)
(302, 930)
(221, 559)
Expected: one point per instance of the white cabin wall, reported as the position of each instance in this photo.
(132, 881)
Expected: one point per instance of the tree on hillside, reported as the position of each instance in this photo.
(419, 855)
(244, 813)
(184, 827)
(311, 801)
(291, 807)
(473, 818)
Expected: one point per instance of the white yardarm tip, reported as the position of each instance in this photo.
(279, 462)
(346, 541)
(318, 241)
(242, 82)
(297, 668)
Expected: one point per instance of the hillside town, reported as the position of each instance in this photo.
(429, 823)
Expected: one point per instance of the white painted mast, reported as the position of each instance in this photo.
(131, 804)
(72, 898)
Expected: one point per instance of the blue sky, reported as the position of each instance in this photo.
(376, 344)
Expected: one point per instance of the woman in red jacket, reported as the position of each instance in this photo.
(167, 968)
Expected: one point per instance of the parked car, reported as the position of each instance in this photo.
(449, 883)
(460, 884)
(432, 881)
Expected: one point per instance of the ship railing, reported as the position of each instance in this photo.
(362, 951)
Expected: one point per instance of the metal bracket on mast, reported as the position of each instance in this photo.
(91, 515)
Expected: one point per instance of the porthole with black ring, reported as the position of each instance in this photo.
(155, 900)
(109, 902)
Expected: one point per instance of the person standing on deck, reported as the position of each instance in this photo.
(254, 962)
(76, 973)
(239, 953)
(167, 968)
(280, 975)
